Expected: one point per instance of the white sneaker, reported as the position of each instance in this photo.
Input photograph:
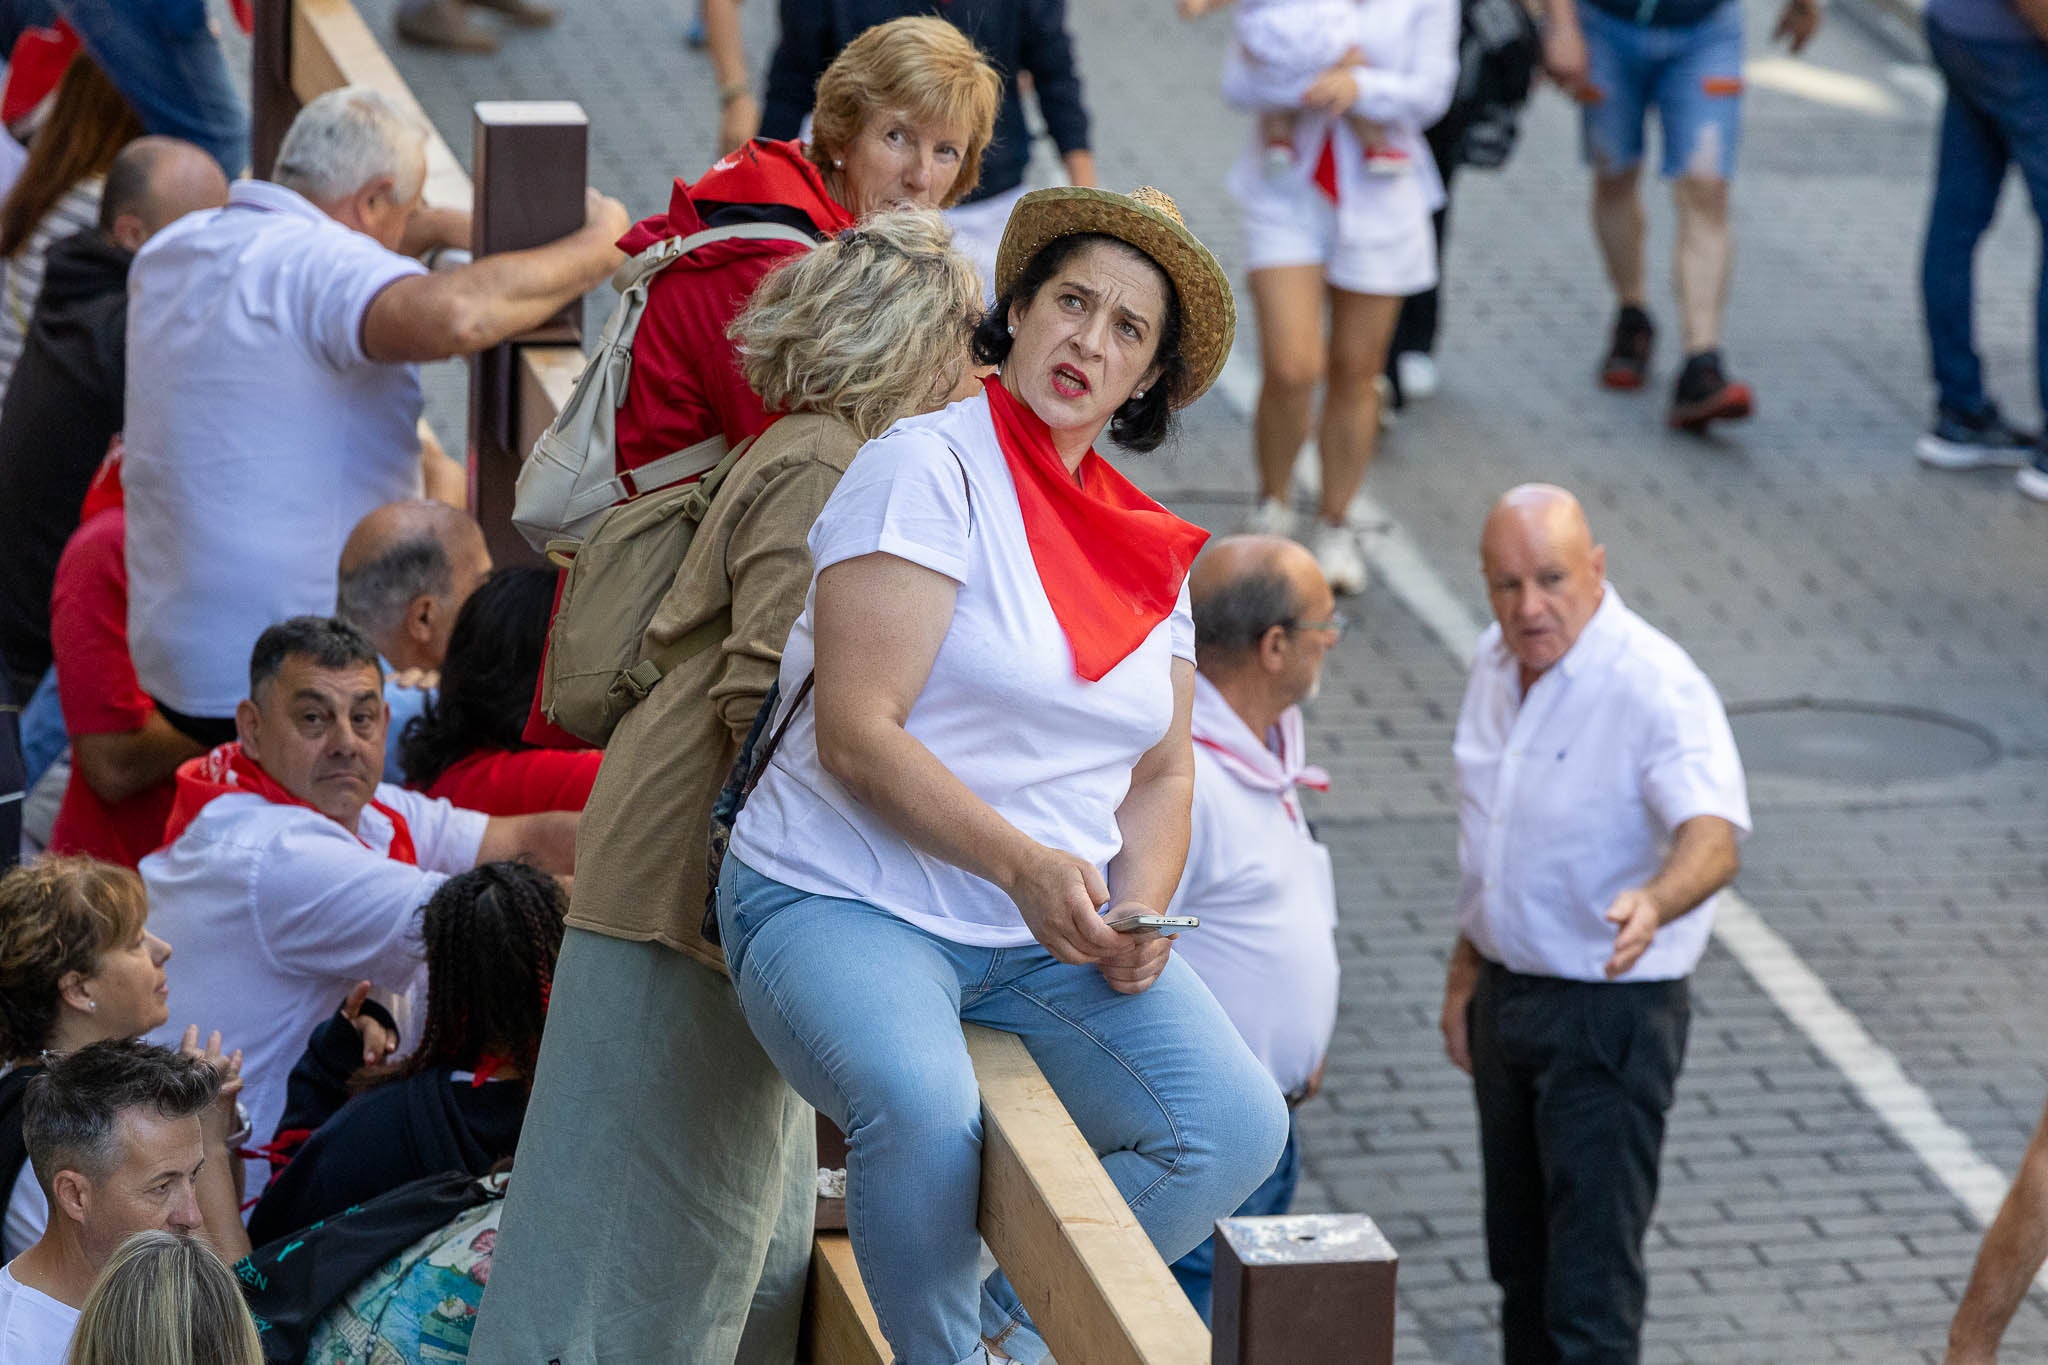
(1271, 517)
(1417, 372)
(1339, 557)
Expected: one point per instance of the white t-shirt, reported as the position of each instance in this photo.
(1569, 796)
(1002, 709)
(277, 911)
(35, 1329)
(1267, 945)
(258, 433)
(28, 1213)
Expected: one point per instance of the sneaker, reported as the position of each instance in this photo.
(1271, 517)
(1339, 557)
(445, 24)
(1704, 394)
(1983, 441)
(2032, 480)
(1628, 354)
(523, 13)
(1415, 374)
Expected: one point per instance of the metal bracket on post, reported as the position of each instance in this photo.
(530, 169)
(1302, 1290)
(273, 101)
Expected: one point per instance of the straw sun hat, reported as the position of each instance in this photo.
(1148, 220)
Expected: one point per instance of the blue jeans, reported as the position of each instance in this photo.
(164, 57)
(1692, 73)
(861, 1012)
(1997, 114)
(1196, 1271)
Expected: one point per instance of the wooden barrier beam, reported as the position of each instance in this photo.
(1088, 1274)
(839, 1321)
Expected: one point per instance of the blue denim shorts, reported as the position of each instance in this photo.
(1691, 74)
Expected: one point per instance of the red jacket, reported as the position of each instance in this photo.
(686, 383)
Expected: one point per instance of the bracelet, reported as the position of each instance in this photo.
(738, 90)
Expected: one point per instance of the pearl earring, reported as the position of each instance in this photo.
(837, 164)
(1138, 394)
(1013, 329)
(92, 1004)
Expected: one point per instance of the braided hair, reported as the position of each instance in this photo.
(490, 937)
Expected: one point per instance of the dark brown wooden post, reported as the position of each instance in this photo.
(1303, 1290)
(273, 104)
(531, 165)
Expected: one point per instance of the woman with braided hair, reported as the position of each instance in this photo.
(490, 938)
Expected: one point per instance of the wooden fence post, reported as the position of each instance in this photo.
(273, 103)
(1303, 1290)
(529, 169)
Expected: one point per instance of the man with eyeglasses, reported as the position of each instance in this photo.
(1264, 620)
(1601, 800)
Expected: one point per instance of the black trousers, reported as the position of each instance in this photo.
(1573, 1080)
(1416, 328)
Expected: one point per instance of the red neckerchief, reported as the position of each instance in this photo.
(1111, 560)
(759, 172)
(224, 771)
(105, 489)
(1326, 166)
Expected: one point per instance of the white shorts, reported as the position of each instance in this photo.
(1390, 249)
(978, 233)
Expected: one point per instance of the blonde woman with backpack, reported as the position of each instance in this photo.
(663, 1210)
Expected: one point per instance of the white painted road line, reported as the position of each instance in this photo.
(1400, 568)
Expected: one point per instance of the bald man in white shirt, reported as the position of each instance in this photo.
(1256, 876)
(1601, 805)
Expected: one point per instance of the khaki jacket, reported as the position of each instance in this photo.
(642, 849)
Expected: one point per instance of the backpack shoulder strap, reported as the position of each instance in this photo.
(666, 252)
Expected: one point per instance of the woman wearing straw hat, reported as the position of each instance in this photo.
(987, 767)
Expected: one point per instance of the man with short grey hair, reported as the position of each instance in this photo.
(124, 1138)
(405, 572)
(1265, 618)
(272, 395)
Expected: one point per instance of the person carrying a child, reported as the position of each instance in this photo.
(1337, 190)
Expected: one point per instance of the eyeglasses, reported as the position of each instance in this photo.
(1335, 625)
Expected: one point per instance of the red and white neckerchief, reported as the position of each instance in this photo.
(1275, 766)
(226, 770)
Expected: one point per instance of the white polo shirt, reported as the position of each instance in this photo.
(276, 912)
(35, 1329)
(1002, 707)
(1267, 945)
(258, 433)
(1569, 796)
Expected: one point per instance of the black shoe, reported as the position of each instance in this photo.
(1628, 355)
(1980, 440)
(1704, 395)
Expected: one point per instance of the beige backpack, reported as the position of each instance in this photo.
(598, 666)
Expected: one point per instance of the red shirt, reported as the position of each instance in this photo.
(686, 383)
(524, 782)
(98, 690)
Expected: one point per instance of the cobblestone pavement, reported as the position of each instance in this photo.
(1804, 555)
